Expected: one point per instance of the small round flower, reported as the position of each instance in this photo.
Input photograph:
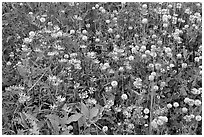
(163, 118)
(153, 73)
(88, 25)
(176, 104)
(84, 31)
(42, 19)
(184, 110)
(114, 83)
(131, 58)
(197, 59)
(186, 100)
(117, 36)
(72, 31)
(198, 118)
(171, 65)
(197, 102)
(144, 6)
(144, 21)
(105, 128)
(144, 56)
(155, 88)
(93, 8)
(151, 77)
(124, 96)
(85, 38)
(178, 56)
(146, 117)
(169, 105)
(130, 27)
(143, 48)
(192, 116)
(163, 84)
(27, 40)
(97, 6)
(194, 91)
(160, 122)
(97, 39)
(121, 69)
(31, 34)
(110, 30)
(8, 63)
(154, 123)
(146, 111)
(184, 65)
(147, 52)
(108, 21)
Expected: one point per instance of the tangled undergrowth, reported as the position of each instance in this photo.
(101, 68)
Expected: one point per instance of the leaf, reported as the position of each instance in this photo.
(74, 117)
(55, 121)
(183, 91)
(84, 110)
(93, 112)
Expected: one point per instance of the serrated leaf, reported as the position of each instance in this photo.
(84, 110)
(74, 117)
(93, 112)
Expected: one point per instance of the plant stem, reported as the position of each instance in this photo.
(151, 110)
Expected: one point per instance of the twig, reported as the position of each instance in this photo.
(37, 81)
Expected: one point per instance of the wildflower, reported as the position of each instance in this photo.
(85, 38)
(84, 31)
(143, 48)
(184, 65)
(60, 98)
(144, 56)
(197, 102)
(131, 126)
(108, 21)
(146, 111)
(131, 58)
(155, 88)
(163, 118)
(110, 30)
(160, 122)
(154, 123)
(151, 77)
(117, 36)
(114, 83)
(72, 31)
(137, 83)
(31, 34)
(186, 100)
(194, 91)
(178, 56)
(144, 21)
(8, 63)
(105, 128)
(27, 40)
(42, 19)
(198, 118)
(184, 110)
(191, 102)
(124, 96)
(97, 39)
(176, 104)
(197, 59)
(144, 6)
(171, 65)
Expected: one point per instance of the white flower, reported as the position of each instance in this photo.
(146, 111)
(155, 88)
(176, 104)
(97, 6)
(105, 128)
(108, 21)
(27, 40)
(131, 58)
(31, 34)
(42, 19)
(163, 118)
(197, 102)
(186, 100)
(84, 32)
(124, 96)
(198, 118)
(110, 30)
(151, 77)
(197, 59)
(178, 56)
(171, 65)
(160, 122)
(144, 56)
(117, 36)
(121, 69)
(114, 83)
(154, 123)
(169, 105)
(72, 31)
(85, 38)
(143, 48)
(144, 6)
(184, 110)
(144, 21)
(97, 39)
(146, 117)
(194, 91)
(8, 63)
(137, 83)
(184, 65)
